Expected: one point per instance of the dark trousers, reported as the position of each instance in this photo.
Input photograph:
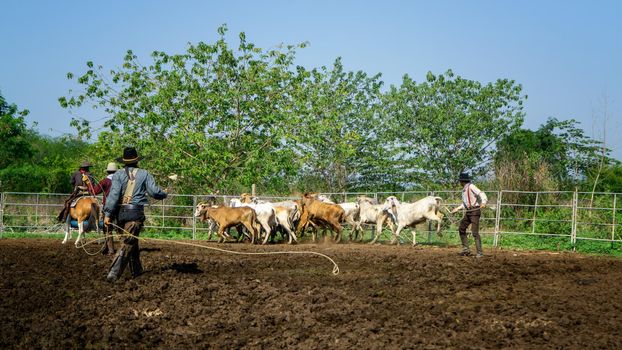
(470, 218)
(132, 223)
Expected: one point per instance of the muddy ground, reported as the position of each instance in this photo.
(385, 297)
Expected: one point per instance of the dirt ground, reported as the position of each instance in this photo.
(385, 297)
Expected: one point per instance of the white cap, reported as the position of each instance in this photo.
(112, 166)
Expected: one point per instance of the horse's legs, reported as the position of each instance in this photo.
(67, 231)
(80, 231)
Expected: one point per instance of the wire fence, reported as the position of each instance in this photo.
(571, 216)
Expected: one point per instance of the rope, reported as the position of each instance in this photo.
(83, 245)
(127, 234)
(464, 211)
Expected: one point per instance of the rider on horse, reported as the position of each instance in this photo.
(83, 183)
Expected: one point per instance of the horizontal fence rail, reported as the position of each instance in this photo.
(571, 216)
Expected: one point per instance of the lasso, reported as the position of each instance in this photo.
(127, 234)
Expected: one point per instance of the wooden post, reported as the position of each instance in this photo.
(253, 192)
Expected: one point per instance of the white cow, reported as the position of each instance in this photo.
(266, 215)
(411, 214)
(370, 212)
(286, 214)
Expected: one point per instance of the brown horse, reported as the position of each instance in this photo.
(85, 209)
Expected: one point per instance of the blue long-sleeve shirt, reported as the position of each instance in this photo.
(145, 185)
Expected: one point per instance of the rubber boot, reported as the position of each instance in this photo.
(465, 246)
(478, 246)
(136, 268)
(118, 266)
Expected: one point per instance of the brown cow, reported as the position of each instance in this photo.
(227, 217)
(320, 213)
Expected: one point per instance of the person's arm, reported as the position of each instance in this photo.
(483, 199)
(152, 189)
(457, 209)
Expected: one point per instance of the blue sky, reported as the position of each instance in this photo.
(566, 54)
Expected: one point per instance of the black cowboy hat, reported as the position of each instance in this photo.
(464, 177)
(85, 164)
(130, 155)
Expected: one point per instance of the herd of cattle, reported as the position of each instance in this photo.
(258, 220)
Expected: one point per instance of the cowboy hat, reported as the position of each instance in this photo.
(112, 167)
(130, 155)
(464, 177)
(85, 164)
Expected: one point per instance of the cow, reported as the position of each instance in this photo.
(411, 214)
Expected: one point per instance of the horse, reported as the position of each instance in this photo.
(85, 209)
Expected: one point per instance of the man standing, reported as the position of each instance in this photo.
(82, 182)
(104, 186)
(128, 196)
(473, 199)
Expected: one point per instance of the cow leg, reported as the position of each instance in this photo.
(358, 230)
(396, 235)
(291, 235)
(221, 234)
(438, 218)
(266, 228)
(249, 227)
(378, 231)
(414, 232)
(339, 231)
(212, 229)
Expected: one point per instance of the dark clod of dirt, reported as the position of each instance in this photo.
(184, 268)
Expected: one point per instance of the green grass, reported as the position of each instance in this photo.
(449, 239)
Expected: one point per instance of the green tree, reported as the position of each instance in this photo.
(561, 147)
(14, 148)
(611, 179)
(336, 135)
(448, 124)
(218, 117)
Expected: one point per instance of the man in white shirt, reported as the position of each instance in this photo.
(473, 199)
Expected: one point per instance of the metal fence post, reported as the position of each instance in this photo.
(497, 219)
(613, 226)
(194, 219)
(573, 231)
(429, 223)
(535, 209)
(37, 210)
(1, 214)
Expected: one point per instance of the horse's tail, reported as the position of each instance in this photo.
(94, 217)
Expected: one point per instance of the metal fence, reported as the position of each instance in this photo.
(572, 216)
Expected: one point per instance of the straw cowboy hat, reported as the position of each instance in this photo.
(130, 155)
(112, 167)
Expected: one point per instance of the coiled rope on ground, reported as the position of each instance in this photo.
(335, 270)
